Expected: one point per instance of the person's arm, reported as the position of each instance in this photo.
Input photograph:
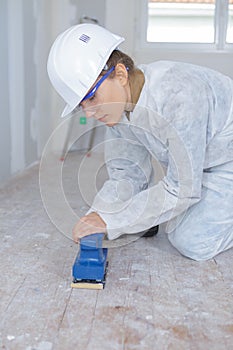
(185, 136)
(130, 172)
(129, 168)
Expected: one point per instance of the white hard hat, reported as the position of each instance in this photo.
(76, 59)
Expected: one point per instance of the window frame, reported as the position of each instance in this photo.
(220, 28)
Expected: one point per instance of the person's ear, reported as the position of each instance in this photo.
(121, 73)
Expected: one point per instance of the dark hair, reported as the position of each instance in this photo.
(118, 56)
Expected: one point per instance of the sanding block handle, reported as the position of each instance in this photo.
(91, 249)
(92, 241)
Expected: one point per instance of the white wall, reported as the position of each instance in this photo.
(27, 30)
(220, 61)
(23, 83)
(5, 132)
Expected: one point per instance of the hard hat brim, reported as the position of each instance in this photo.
(67, 110)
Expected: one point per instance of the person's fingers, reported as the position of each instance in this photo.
(87, 225)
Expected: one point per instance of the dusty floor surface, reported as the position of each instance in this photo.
(154, 298)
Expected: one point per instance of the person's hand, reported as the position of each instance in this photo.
(87, 225)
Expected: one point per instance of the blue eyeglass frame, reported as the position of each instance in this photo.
(97, 85)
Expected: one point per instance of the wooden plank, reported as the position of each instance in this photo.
(153, 299)
(191, 304)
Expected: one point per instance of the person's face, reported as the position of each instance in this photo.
(110, 99)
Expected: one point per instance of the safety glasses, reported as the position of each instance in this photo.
(97, 85)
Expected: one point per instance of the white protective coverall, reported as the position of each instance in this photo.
(183, 119)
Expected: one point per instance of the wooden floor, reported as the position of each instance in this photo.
(154, 298)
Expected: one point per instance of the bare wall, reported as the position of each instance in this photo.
(5, 134)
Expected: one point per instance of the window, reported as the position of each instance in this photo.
(190, 22)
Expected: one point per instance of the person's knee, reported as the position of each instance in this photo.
(191, 246)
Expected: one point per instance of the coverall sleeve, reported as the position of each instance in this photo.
(129, 168)
(185, 138)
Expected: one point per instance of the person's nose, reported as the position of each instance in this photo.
(90, 112)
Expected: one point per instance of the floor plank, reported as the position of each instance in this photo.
(154, 298)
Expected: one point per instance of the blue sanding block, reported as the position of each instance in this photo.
(90, 266)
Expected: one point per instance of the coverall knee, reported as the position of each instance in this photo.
(207, 227)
